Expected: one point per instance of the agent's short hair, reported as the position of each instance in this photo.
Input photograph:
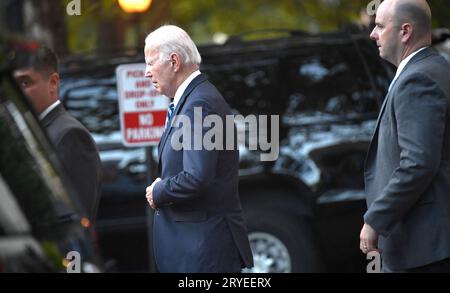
(170, 39)
(45, 62)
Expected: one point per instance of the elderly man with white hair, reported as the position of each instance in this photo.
(198, 223)
(407, 173)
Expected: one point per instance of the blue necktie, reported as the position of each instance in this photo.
(169, 114)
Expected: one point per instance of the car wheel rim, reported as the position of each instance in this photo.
(270, 255)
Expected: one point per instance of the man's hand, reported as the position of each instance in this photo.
(149, 194)
(368, 239)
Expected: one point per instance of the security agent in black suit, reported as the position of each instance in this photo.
(74, 145)
(407, 172)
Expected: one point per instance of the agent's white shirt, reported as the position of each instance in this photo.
(49, 109)
(403, 64)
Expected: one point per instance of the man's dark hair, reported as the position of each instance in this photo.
(45, 62)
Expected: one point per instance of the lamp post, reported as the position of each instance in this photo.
(136, 8)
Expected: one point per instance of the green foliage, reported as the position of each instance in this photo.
(441, 13)
(233, 16)
(204, 18)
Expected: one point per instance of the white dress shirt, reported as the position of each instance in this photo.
(49, 109)
(183, 87)
(402, 66)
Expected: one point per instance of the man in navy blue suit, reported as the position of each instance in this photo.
(198, 224)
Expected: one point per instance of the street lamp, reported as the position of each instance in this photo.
(135, 6)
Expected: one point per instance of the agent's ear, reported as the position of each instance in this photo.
(53, 84)
(406, 32)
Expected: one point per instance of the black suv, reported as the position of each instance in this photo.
(304, 210)
(42, 228)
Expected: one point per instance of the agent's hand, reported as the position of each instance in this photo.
(368, 239)
(149, 193)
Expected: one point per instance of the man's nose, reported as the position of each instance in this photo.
(148, 72)
(373, 34)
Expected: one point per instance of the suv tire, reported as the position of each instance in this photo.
(281, 241)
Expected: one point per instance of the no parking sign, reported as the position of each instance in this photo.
(142, 109)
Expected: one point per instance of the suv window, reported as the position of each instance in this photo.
(381, 76)
(93, 102)
(246, 84)
(326, 80)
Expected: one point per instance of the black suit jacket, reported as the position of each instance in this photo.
(407, 173)
(78, 155)
(199, 226)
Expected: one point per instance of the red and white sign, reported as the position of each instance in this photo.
(142, 109)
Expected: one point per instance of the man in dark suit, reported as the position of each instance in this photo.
(407, 173)
(198, 224)
(74, 145)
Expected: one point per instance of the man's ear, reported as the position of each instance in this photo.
(406, 32)
(175, 62)
(53, 83)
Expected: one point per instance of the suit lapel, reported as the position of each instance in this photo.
(47, 121)
(375, 133)
(198, 80)
(383, 107)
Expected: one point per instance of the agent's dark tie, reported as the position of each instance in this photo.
(169, 114)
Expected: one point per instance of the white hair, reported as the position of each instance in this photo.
(170, 39)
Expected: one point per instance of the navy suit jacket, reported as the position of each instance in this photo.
(407, 172)
(199, 226)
